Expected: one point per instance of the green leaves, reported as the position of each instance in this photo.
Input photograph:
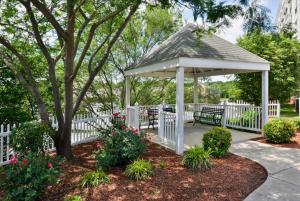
(283, 54)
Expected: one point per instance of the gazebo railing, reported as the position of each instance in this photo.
(167, 128)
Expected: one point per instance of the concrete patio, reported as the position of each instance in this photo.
(193, 135)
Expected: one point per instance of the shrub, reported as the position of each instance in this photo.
(30, 137)
(139, 170)
(297, 122)
(217, 140)
(95, 178)
(73, 198)
(280, 130)
(124, 146)
(162, 164)
(196, 157)
(27, 176)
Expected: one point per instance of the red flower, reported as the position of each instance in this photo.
(13, 160)
(20, 166)
(25, 162)
(123, 117)
(123, 127)
(62, 164)
(50, 166)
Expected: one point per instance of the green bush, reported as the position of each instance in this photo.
(196, 158)
(280, 130)
(26, 177)
(95, 178)
(217, 140)
(74, 198)
(124, 146)
(139, 170)
(297, 122)
(30, 137)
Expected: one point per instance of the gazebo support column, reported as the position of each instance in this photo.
(196, 101)
(265, 97)
(180, 110)
(127, 91)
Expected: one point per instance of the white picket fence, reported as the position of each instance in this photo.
(237, 115)
(84, 129)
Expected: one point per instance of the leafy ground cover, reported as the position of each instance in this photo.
(230, 178)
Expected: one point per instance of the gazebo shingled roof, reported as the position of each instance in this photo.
(186, 44)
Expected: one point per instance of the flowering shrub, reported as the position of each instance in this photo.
(26, 176)
(121, 147)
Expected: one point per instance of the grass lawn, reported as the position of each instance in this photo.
(288, 111)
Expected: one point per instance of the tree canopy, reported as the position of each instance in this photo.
(283, 53)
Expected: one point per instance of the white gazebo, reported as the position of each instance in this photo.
(186, 54)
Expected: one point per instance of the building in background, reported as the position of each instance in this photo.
(289, 15)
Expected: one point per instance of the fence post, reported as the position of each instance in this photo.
(225, 114)
(160, 122)
(278, 108)
(136, 116)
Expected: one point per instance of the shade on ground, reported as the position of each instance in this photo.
(193, 135)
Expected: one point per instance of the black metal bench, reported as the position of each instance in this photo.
(209, 115)
(152, 114)
(152, 117)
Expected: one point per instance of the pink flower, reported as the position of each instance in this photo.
(123, 117)
(13, 160)
(98, 145)
(135, 131)
(116, 113)
(50, 166)
(123, 127)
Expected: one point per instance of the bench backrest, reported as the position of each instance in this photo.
(211, 110)
(152, 112)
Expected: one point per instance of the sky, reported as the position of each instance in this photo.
(235, 31)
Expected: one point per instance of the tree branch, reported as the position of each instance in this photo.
(103, 60)
(31, 88)
(51, 64)
(47, 13)
(90, 38)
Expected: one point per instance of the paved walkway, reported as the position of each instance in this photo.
(283, 166)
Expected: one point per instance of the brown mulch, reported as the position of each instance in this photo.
(295, 142)
(231, 178)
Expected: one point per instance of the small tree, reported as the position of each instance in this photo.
(283, 54)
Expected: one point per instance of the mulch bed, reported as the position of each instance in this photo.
(231, 178)
(295, 142)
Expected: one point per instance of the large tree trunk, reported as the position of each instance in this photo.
(63, 143)
(64, 140)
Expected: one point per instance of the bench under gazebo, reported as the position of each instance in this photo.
(187, 55)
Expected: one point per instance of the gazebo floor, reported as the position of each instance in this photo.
(193, 135)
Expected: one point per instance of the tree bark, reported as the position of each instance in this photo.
(64, 141)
